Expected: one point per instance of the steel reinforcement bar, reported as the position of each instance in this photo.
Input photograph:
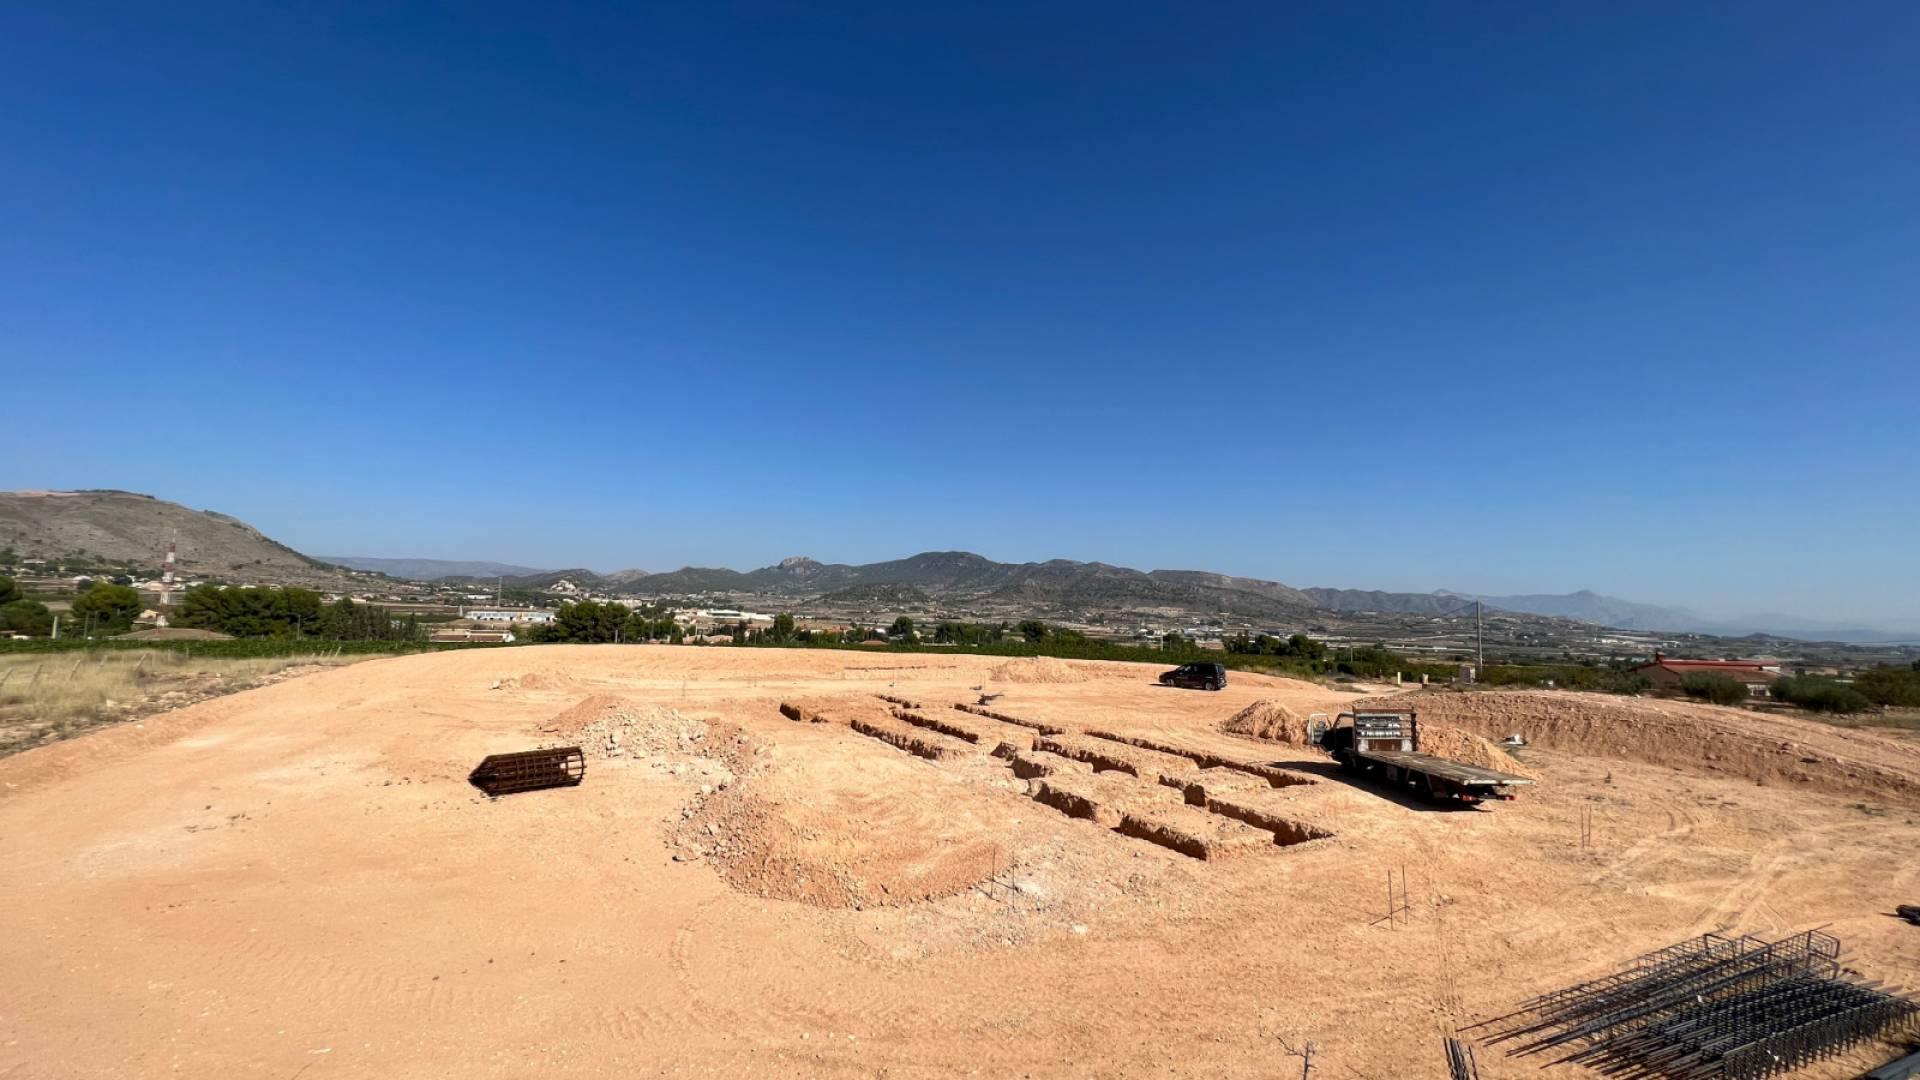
(1711, 1008)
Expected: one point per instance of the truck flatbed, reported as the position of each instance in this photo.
(1386, 746)
(1455, 771)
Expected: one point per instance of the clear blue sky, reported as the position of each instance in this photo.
(1530, 297)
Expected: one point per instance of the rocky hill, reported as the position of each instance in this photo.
(121, 528)
(892, 595)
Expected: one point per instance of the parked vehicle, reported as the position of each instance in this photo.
(1386, 746)
(1196, 677)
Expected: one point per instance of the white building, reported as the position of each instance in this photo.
(505, 615)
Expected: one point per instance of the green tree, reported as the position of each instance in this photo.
(269, 612)
(903, 630)
(9, 592)
(28, 617)
(586, 622)
(1034, 630)
(1373, 662)
(1174, 642)
(107, 609)
(782, 628)
(1820, 695)
(1305, 648)
(1890, 686)
(1717, 687)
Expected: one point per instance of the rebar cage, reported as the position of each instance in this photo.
(1711, 1008)
(530, 770)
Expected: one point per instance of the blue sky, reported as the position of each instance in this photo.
(1495, 298)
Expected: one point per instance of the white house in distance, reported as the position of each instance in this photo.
(508, 615)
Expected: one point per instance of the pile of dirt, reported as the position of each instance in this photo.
(536, 680)
(1268, 719)
(1705, 740)
(1038, 669)
(608, 726)
(1470, 749)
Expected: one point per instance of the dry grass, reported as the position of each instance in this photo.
(51, 696)
(1897, 719)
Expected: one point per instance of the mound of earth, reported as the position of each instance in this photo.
(534, 680)
(1268, 719)
(1470, 749)
(1706, 740)
(608, 726)
(1038, 669)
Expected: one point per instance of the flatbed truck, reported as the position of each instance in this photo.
(1386, 746)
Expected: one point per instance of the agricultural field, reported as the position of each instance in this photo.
(847, 864)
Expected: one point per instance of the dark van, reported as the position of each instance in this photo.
(1197, 677)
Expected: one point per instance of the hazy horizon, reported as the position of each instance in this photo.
(1518, 300)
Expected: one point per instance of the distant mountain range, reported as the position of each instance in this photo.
(122, 527)
(430, 569)
(1582, 606)
(1059, 584)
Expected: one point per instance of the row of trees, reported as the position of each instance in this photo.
(101, 608)
(592, 622)
(292, 612)
(1889, 685)
(1886, 685)
(1296, 647)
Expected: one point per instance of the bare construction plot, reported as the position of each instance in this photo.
(300, 881)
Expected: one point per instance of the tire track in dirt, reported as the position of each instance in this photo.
(1736, 904)
(798, 1002)
(256, 962)
(1681, 823)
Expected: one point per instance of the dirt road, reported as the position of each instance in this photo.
(297, 881)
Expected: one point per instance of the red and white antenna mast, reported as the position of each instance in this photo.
(166, 572)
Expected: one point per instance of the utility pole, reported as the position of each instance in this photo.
(1479, 644)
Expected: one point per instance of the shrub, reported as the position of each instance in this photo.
(1889, 685)
(1609, 680)
(25, 617)
(1821, 695)
(1714, 686)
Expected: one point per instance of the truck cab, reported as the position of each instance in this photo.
(1371, 731)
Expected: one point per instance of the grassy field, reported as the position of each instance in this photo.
(48, 696)
(1904, 720)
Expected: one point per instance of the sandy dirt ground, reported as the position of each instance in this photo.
(298, 882)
